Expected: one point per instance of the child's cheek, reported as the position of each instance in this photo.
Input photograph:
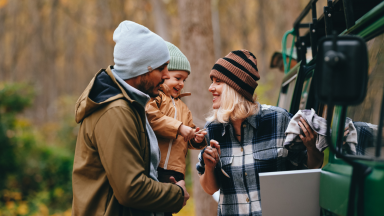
(166, 81)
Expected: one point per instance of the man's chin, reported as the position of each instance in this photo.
(154, 94)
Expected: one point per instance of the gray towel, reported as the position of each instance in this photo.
(319, 125)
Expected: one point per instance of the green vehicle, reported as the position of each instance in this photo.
(351, 183)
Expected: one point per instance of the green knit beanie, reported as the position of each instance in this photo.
(178, 60)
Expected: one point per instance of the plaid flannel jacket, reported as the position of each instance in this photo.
(260, 150)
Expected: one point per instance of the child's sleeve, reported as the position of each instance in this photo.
(191, 143)
(163, 126)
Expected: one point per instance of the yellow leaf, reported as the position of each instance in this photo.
(10, 205)
(58, 192)
(16, 195)
(22, 209)
(43, 210)
(3, 3)
(68, 212)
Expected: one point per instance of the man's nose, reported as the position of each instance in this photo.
(165, 73)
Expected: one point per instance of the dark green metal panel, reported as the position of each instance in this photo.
(334, 187)
(373, 16)
(336, 175)
(374, 192)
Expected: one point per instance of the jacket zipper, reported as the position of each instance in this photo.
(171, 141)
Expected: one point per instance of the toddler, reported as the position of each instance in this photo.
(171, 120)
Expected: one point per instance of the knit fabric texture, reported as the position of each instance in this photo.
(137, 50)
(178, 60)
(239, 70)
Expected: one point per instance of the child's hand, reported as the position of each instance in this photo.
(187, 132)
(200, 136)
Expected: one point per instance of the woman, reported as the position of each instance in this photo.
(246, 137)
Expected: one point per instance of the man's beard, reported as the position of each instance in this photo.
(147, 86)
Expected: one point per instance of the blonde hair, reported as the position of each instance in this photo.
(233, 106)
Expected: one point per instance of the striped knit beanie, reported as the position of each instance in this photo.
(239, 70)
(178, 60)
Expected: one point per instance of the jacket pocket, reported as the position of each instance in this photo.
(266, 160)
(266, 154)
(224, 181)
(226, 160)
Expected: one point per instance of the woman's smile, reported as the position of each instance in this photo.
(216, 89)
(215, 96)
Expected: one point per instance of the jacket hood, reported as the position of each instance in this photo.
(102, 89)
(164, 88)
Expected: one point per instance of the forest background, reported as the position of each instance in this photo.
(51, 49)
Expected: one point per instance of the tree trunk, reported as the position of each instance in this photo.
(161, 19)
(196, 38)
(262, 59)
(216, 28)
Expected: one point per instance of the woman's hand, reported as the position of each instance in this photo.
(315, 157)
(211, 155)
(199, 136)
(309, 139)
(346, 132)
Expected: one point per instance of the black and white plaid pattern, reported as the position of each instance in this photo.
(260, 150)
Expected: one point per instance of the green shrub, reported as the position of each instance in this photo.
(36, 171)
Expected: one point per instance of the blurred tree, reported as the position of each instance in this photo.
(57, 46)
(161, 19)
(33, 173)
(216, 28)
(14, 98)
(196, 36)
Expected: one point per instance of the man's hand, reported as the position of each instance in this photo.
(199, 136)
(187, 132)
(182, 185)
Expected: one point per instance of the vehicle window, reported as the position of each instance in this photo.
(286, 94)
(366, 116)
(305, 91)
(287, 89)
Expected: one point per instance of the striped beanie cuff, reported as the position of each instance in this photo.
(178, 60)
(239, 70)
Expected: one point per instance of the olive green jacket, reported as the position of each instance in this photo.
(112, 158)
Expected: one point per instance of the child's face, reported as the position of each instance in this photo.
(176, 81)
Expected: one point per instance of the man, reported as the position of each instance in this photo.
(116, 158)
